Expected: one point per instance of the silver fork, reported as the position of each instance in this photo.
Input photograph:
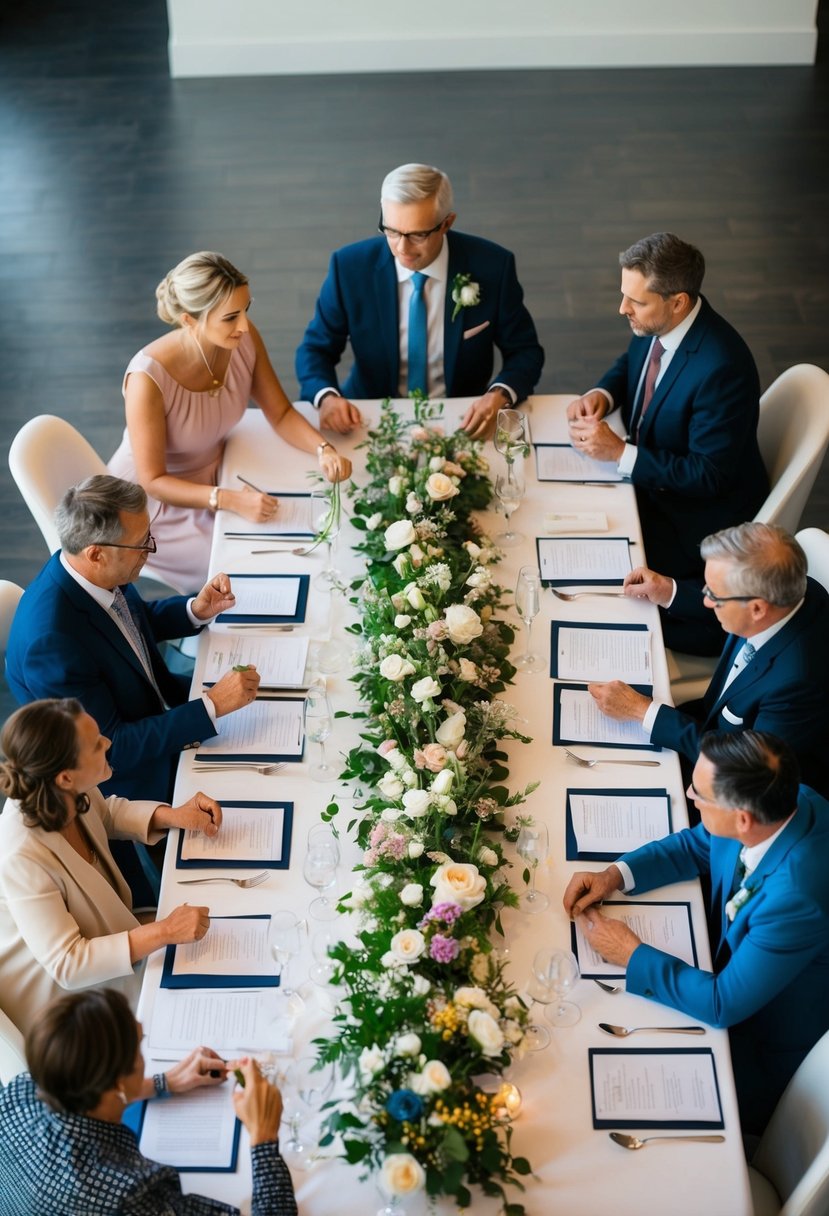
(580, 760)
(253, 881)
(568, 596)
(236, 766)
(298, 551)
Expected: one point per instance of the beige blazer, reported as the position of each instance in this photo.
(62, 925)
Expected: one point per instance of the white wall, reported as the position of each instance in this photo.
(268, 37)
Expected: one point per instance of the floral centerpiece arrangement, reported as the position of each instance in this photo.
(428, 1014)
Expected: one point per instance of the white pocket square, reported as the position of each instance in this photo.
(470, 333)
(729, 717)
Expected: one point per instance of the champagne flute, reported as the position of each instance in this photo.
(528, 603)
(284, 943)
(533, 846)
(318, 721)
(325, 514)
(509, 490)
(320, 872)
(510, 435)
(560, 970)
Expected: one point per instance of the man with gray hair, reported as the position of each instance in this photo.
(423, 308)
(688, 392)
(81, 630)
(773, 674)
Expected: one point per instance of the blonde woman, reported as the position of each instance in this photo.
(184, 392)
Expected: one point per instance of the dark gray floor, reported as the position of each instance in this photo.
(111, 173)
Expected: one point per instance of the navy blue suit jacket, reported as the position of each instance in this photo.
(63, 644)
(698, 467)
(784, 690)
(770, 983)
(358, 303)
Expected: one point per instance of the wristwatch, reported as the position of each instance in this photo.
(213, 500)
(322, 446)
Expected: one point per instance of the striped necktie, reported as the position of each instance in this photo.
(136, 639)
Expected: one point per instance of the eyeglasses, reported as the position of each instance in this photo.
(414, 238)
(708, 594)
(149, 545)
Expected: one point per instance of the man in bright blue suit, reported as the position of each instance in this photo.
(773, 674)
(764, 842)
(82, 631)
(689, 393)
(471, 303)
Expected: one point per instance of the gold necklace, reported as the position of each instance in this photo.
(217, 385)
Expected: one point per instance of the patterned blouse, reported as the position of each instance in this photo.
(71, 1165)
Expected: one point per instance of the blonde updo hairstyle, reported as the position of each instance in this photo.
(39, 741)
(196, 286)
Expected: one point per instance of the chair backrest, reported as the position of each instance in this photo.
(10, 595)
(815, 544)
(793, 434)
(12, 1052)
(46, 457)
(794, 1151)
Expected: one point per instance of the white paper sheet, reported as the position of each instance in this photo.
(194, 1129)
(294, 516)
(264, 597)
(583, 722)
(265, 727)
(664, 926)
(560, 462)
(228, 1021)
(565, 523)
(604, 654)
(679, 1087)
(618, 822)
(247, 834)
(579, 560)
(280, 661)
(232, 946)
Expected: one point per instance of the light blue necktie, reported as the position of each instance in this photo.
(417, 335)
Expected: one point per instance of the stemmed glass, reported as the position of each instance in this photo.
(533, 846)
(306, 1088)
(322, 970)
(559, 970)
(325, 515)
(284, 943)
(528, 603)
(511, 435)
(318, 723)
(509, 490)
(536, 1037)
(320, 872)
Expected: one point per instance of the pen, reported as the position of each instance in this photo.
(245, 481)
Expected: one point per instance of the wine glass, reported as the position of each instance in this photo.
(284, 943)
(536, 1037)
(320, 872)
(560, 971)
(510, 435)
(323, 967)
(533, 846)
(325, 515)
(318, 721)
(306, 1088)
(528, 603)
(509, 490)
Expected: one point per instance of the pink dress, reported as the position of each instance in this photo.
(197, 426)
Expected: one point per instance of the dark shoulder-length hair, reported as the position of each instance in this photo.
(80, 1046)
(39, 741)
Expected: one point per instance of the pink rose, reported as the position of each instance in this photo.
(438, 630)
(388, 745)
(432, 757)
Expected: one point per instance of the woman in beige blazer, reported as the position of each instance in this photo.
(65, 909)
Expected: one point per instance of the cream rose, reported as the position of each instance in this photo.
(411, 896)
(402, 620)
(407, 1045)
(413, 503)
(399, 534)
(462, 624)
(416, 803)
(433, 1078)
(468, 672)
(486, 1032)
(436, 464)
(396, 486)
(371, 1061)
(396, 668)
(374, 521)
(442, 783)
(451, 730)
(487, 856)
(416, 598)
(439, 487)
(415, 849)
(458, 882)
(407, 945)
(401, 1174)
(390, 786)
(423, 689)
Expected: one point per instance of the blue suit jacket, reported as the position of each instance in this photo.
(698, 467)
(358, 303)
(63, 644)
(770, 982)
(784, 690)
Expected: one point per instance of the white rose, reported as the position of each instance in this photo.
(442, 783)
(390, 786)
(439, 487)
(415, 597)
(447, 805)
(470, 295)
(411, 896)
(407, 1045)
(487, 856)
(416, 803)
(401, 620)
(396, 668)
(486, 1032)
(433, 1078)
(458, 882)
(374, 521)
(390, 814)
(423, 689)
(479, 578)
(371, 1061)
(402, 565)
(437, 463)
(472, 549)
(473, 998)
(463, 624)
(420, 985)
(413, 504)
(415, 849)
(389, 960)
(401, 1174)
(451, 730)
(469, 671)
(409, 778)
(407, 945)
(399, 534)
(396, 759)
(396, 486)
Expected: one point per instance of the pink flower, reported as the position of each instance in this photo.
(419, 432)
(437, 630)
(443, 949)
(433, 757)
(388, 745)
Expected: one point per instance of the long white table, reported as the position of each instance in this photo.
(578, 1169)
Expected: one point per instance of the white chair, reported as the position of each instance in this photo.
(815, 544)
(46, 457)
(12, 1053)
(789, 1173)
(10, 595)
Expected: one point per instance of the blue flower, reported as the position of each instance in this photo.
(404, 1105)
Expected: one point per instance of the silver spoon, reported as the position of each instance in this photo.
(622, 1032)
(253, 881)
(633, 1142)
(578, 595)
(235, 766)
(611, 988)
(580, 760)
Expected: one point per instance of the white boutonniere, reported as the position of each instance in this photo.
(738, 900)
(465, 293)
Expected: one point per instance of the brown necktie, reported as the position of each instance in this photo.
(657, 351)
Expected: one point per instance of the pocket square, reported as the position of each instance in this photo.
(476, 329)
(729, 717)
